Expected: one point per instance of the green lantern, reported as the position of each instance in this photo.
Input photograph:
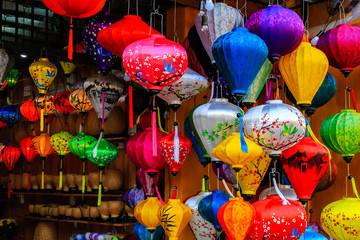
(340, 133)
(60, 143)
(78, 145)
(257, 85)
(13, 77)
(101, 153)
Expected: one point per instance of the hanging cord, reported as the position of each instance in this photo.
(269, 91)
(285, 201)
(176, 37)
(95, 151)
(137, 7)
(155, 11)
(352, 179)
(227, 188)
(153, 120)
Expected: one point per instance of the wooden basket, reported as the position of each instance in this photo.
(46, 231)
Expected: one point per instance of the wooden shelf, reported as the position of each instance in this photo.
(64, 194)
(79, 221)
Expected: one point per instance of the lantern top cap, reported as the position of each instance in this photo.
(174, 200)
(273, 197)
(218, 192)
(305, 43)
(152, 198)
(351, 199)
(348, 110)
(133, 17)
(240, 29)
(43, 59)
(236, 199)
(273, 102)
(219, 100)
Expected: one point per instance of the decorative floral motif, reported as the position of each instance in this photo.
(43, 72)
(80, 101)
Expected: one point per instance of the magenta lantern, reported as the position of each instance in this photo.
(131, 149)
(146, 181)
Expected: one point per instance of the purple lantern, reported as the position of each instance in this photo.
(281, 29)
(102, 57)
(222, 90)
(133, 196)
(226, 172)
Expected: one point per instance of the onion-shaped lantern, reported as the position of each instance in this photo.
(146, 212)
(10, 155)
(29, 154)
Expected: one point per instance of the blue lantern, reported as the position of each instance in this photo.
(240, 56)
(141, 232)
(310, 234)
(324, 94)
(195, 145)
(209, 206)
(10, 115)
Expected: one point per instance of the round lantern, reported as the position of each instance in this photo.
(201, 228)
(61, 103)
(276, 220)
(189, 85)
(12, 78)
(141, 233)
(10, 155)
(29, 111)
(174, 216)
(341, 219)
(281, 29)
(74, 9)
(146, 212)
(43, 72)
(343, 42)
(340, 133)
(236, 217)
(209, 207)
(221, 20)
(239, 56)
(131, 149)
(119, 35)
(286, 190)
(328, 179)
(175, 148)
(214, 121)
(10, 115)
(155, 62)
(304, 71)
(80, 101)
(44, 104)
(304, 164)
(323, 95)
(274, 126)
(147, 181)
(133, 196)
(29, 154)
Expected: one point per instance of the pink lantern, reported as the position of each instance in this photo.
(131, 149)
(146, 181)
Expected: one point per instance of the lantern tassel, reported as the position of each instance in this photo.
(9, 186)
(154, 145)
(41, 119)
(227, 189)
(83, 177)
(71, 41)
(354, 186)
(353, 99)
(42, 173)
(174, 194)
(244, 146)
(285, 201)
(28, 177)
(176, 144)
(100, 186)
(61, 173)
(159, 120)
(203, 185)
(159, 196)
(131, 120)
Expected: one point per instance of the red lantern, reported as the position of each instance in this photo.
(29, 111)
(29, 153)
(175, 148)
(278, 220)
(2, 124)
(304, 164)
(10, 155)
(119, 35)
(145, 120)
(61, 102)
(74, 9)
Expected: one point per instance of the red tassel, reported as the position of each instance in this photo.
(174, 194)
(131, 120)
(353, 99)
(71, 40)
(9, 188)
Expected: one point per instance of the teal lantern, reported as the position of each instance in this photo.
(78, 145)
(13, 77)
(101, 153)
(340, 133)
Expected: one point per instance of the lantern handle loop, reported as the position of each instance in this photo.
(278, 192)
(352, 179)
(155, 11)
(227, 188)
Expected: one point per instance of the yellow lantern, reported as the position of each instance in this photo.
(229, 151)
(44, 104)
(68, 67)
(174, 216)
(43, 72)
(146, 213)
(304, 70)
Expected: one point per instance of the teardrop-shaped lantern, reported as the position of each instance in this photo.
(10, 115)
(43, 72)
(174, 216)
(239, 56)
(219, 21)
(10, 155)
(29, 154)
(133, 196)
(146, 212)
(141, 233)
(68, 67)
(147, 181)
(304, 164)
(274, 126)
(304, 71)
(281, 28)
(340, 132)
(236, 217)
(79, 100)
(13, 77)
(214, 121)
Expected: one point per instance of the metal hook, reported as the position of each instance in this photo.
(156, 12)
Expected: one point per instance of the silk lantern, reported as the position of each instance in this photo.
(276, 220)
(175, 148)
(44, 104)
(60, 143)
(146, 181)
(236, 217)
(328, 179)
(286, 190)
(101, 152)
(174, 216)
(74, 9)
(146, 213)
(134, 195)
(13, 77)
(323, 95)
(193, 62)
(10, 155)
(195, 145)
(43, 72)
(304, 71)
(201, 228)
(225, 172)
(41, 145)
(341, 219)
(304, 164)
(131, 149)
(154, 62)
(214, 121)
(281, 29)
(61, 103)
(239, 56)
(28, 110)
(68, 68)
(80, 101)
(222, 89)
(10, 115)
(343, 41)
(4, 60)
(210, 205)
(29, 154)
(311, 234)
(189, 85)
(221, 20)
(141, 233)
(78, 145)
(340, 132)
(274, 126)
(102, 57)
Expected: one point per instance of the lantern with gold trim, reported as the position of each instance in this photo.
(43, 72)
(44, 104)
(146, 213)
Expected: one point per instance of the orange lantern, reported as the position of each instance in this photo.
(146, 213)
(44, 104)
(29, 111)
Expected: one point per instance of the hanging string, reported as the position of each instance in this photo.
(154, 145)
(352, 93)
(100, 186)
(131, 120)
(9, 185)
(212, 90)
(354, 186)
(158, 195)
(159, 120)
(83, 177)
(61, 173)
(269, 91)
(176, 38)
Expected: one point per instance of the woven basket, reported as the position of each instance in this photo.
(46, 231)
(94, 180)
(113, 180)
(33, 182)
(115, 208)
(104, 210)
